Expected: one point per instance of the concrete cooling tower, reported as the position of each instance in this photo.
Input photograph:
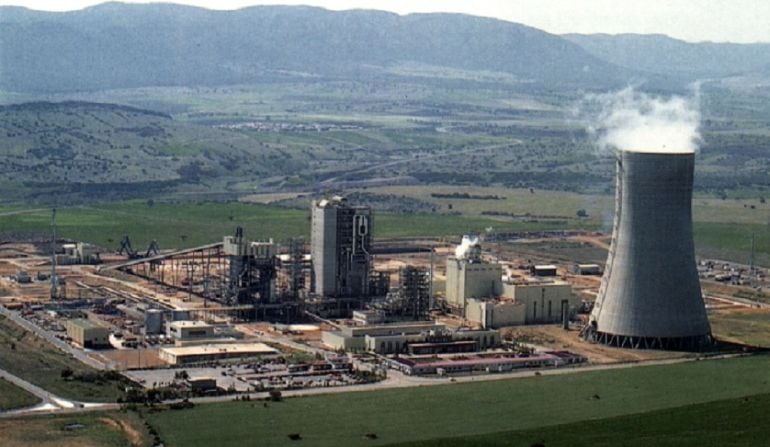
(650, 296)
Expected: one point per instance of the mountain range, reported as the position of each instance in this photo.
(116, 45)
(655, 53)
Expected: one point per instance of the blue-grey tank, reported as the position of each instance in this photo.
(650, 296)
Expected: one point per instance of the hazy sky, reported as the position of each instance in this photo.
(693, 20)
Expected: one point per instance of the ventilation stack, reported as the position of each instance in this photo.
(650, 296)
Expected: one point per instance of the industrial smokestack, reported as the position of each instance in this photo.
(650, 295)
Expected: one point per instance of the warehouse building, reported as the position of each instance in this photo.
(88, 334)
(215, 352)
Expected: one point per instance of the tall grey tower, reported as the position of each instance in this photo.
(341, 239)
(650, 296)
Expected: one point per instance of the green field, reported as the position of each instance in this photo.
(187, 224)
(35, 360)
(733, 422)
(733, 241)
(191, 224)
(425, 413)
(12, 397)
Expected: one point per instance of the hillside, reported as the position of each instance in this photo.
(116, 45)
(107, 150)
(663, 55)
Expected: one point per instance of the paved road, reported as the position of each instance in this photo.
(50, 403)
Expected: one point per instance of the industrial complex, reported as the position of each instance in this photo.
(348, 307)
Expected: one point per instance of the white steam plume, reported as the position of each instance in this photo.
(467, 243)
(629, 120)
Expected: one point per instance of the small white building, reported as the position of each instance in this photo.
(189, 330)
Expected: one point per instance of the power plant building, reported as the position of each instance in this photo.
(650, 296)
(495, 313)
(542, 298)
(341, 243)
(468, 276)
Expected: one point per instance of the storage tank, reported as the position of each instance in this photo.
(650, 296)
(153, 321)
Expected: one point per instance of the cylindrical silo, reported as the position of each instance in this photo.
(153, 321)
(650, 295)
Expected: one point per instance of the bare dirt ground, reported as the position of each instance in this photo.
(555, 338)
(134, 436)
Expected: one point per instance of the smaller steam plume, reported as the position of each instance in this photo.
(629, 120)
(465, 248)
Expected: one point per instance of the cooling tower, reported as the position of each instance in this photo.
(650, 296)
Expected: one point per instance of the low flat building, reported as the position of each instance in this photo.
(397, 338)
(488, 363)
(544, 270)
(202, 384)
(87, 333)
(353, 338)
(588, 269)
(214, 352)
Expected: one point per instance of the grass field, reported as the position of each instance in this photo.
(733, 241)
(750, 326)
(189, 224)
(97, 429)
(733, 422)
(12, 397)
(35, 360)
(424, 413)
